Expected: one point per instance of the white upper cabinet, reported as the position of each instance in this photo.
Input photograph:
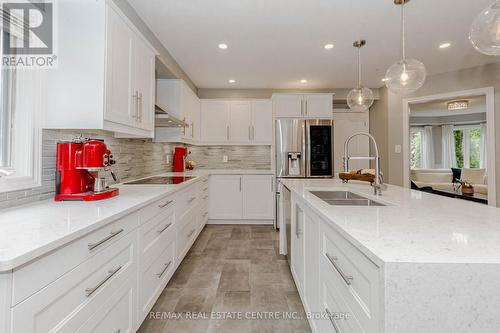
(303, 105)
(179, 100)
(288, 105)
(247, 122)
(262, 121)
(215, 121)
(105, 73)
(240, 121)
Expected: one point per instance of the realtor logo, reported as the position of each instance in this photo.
(28, 34)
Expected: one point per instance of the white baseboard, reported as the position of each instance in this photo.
(266, 222)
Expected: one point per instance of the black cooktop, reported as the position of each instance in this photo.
(164, 180)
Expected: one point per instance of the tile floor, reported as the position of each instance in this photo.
(231, 271)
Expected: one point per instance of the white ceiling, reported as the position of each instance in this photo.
(275, 43)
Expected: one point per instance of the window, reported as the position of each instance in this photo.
(20, 135)
(416, 150)
(468, 146)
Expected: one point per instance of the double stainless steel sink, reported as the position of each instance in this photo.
(345, 198)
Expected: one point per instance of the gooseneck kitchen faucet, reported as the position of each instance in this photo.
(378, 184)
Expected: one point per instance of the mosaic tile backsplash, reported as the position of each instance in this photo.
(136, 158)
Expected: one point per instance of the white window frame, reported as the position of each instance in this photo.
(26, 134)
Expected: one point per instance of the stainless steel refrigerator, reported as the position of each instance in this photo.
(303, 149)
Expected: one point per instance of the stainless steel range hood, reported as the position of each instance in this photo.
(164, 119)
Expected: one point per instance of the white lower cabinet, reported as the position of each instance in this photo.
(241, 197)
(108, 280)
(332, 276)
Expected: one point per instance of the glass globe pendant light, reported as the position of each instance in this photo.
(484, 33)
(406, 75)
(360, 98)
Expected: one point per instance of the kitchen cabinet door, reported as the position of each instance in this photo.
(240, 121)
(288, 105)
(144, 81)
(262, 122)
(258, 197)
(318, 106)
(121, 106)
(225, 197)
(215, 120)
(297, 246)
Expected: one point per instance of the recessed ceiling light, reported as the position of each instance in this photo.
(222, 46)
(329, 46)
(232, 81)
(444, 45)
(303, 81)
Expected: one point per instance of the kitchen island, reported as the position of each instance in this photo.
(421, 263)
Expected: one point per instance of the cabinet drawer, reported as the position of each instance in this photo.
(338, 315)
(34, 276)
(154, 234)
(155, 277)
(354, 275)
(187, 199)
(186, 233)
(68, 302)
(117, 315)
(203, 216)
(156, 208)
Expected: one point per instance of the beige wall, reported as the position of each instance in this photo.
(379, 121)
(472, 78)
(165, 57)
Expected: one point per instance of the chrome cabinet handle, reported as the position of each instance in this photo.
(205, 214)
(135, 96)
(205, 189)
(184, 121)
(241, 185)
(191, 200)
(253, 132)
(191, 233)
(302, 107)
(90, 291)
(164, 228)
(332, 320)
(204, 180)
(104, 240)
(167, 265)
(139, 112)
(227, 132)
(165, 204)
(272, 184)
(333, 260)
(306, 109)
(192, 129)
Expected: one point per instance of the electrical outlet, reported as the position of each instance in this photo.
(224, 158)
(168, 159)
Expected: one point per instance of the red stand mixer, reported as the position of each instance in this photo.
(79, 165)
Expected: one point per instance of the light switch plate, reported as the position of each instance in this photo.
(397, 149)
(224, 158)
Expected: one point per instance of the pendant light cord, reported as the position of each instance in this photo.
(403, 46)
(359, 67)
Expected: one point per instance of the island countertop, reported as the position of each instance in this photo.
(414, 227)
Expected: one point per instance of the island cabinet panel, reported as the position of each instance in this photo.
(332, 275)
(297, 246)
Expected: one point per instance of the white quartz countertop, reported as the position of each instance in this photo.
(415, 227)
(29, 231)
